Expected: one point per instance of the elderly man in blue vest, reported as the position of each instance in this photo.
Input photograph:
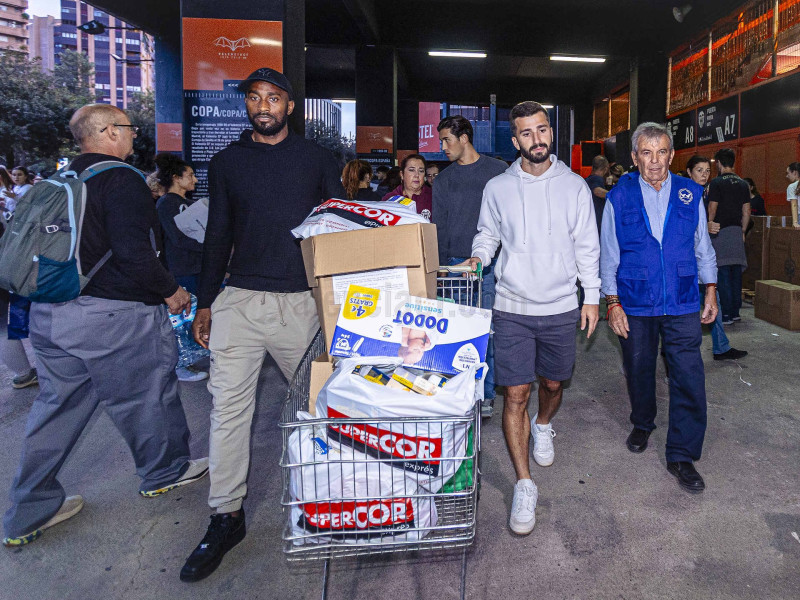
(654, 248)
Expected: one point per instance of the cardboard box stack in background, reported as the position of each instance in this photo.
(784, 254)
(404, 257)
(756, 247)
(778, 302)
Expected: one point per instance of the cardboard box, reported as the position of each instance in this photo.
(427, 334)
(784, 254)
(756, 247)
(778, 302)
(411, 249)
(321, 370)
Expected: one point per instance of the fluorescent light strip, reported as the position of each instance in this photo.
(587, 59)
(457, 54)
(343, 101)
(547, 106)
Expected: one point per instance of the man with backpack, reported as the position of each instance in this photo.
(112, 343)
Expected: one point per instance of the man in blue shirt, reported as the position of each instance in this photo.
(654, 248)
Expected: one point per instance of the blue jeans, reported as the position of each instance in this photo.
(719, 341)
(681, 338)
(487, 302)
(729, 287)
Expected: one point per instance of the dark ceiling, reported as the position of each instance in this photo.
(518, 36)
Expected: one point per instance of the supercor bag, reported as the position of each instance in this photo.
(335, 215)
(349, 496)
(39, 253)
(429, 452)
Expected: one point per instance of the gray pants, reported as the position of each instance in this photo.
(88, 351)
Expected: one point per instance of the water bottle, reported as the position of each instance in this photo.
(189, 351)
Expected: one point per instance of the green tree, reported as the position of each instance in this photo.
(327, 136)
(35, 108)
(142, 113)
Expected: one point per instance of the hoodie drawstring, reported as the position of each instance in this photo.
(547, 195)
(521, 184)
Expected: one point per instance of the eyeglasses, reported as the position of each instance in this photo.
(134, 128)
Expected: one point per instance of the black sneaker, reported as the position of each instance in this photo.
(224, 532)
(732, 354)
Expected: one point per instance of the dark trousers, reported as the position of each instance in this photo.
(681, 337)
(729, 286)
(91, 351)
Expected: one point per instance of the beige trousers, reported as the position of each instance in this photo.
(245, 325)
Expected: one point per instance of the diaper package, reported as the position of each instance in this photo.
(426, 334)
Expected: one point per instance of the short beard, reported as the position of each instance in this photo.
(267, 130)
(530, 156)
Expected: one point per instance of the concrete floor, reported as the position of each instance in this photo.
(610, 524)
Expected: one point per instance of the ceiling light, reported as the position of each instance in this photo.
(547, 106)
(343, 101)
(457, 53)
(588, 59)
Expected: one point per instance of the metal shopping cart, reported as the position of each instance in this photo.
(398, 505)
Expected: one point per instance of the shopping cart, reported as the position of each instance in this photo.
(390, 510)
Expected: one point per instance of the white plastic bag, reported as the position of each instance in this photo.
(428, 452)
(335, 215)
(349, 495)
(193, 219)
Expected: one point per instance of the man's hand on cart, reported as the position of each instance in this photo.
(201, 327)
(590, 315)
(473, 263)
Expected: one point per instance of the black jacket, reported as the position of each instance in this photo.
(120, 216)
(257, 194)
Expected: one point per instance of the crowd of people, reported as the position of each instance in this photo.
(664, 250)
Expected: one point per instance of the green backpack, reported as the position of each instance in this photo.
(39, 252)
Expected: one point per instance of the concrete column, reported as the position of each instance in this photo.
(376, 89)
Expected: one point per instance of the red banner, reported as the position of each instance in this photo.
(429, 117)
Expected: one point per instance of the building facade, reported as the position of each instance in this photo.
(325, 111)
(122, 56)
(14, 25)
(41, 42)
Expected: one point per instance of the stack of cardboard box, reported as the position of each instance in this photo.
(773, 259)
(404, 258)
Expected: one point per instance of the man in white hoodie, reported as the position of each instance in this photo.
(542, 214)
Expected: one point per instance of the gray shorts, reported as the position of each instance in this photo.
(527, 346)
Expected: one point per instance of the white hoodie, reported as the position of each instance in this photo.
(548, 232)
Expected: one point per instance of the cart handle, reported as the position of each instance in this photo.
(461, 269)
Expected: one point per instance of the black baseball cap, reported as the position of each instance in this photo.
(270, 76)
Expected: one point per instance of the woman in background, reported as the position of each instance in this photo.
(356, 178)
(184, 254)
(699, 170)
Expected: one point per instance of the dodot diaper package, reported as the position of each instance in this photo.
(426, 334)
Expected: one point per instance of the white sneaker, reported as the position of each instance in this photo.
(185, 374)
(523, 515)
(543, 451)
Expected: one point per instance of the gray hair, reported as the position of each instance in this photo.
(650, 131)
(88, 120)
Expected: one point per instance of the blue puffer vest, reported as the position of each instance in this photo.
(657, 279)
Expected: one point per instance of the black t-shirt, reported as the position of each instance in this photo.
(757, 207)
(730, 192)
(596, 181)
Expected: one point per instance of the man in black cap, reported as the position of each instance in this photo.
(261, 186)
